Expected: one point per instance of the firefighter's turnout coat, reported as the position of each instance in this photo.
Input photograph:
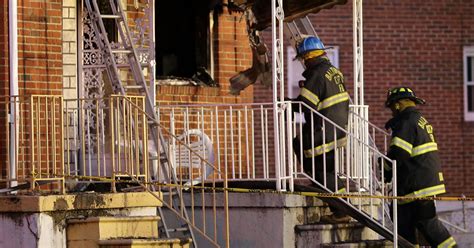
(324, 91)
(414, 148)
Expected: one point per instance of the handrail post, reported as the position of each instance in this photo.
(395, 206)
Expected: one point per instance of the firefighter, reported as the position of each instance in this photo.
(323, 90)
(414, 148)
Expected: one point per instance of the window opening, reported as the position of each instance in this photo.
(183, 39)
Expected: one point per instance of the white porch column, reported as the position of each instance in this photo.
(13, 52)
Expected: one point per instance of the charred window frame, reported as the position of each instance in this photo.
(182, 38)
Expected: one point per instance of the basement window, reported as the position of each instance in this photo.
(468, 60)
(183, 42)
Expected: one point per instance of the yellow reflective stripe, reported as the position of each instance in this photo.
(333, 100)
(450, 242)
(401, 143)
(343, 190)
(318, 150)
(440, 175)
(433, 190)
(422, 149)
(430, 191)
(313, 98)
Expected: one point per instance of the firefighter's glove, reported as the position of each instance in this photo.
(301, 83)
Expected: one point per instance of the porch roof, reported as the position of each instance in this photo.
(293, 9)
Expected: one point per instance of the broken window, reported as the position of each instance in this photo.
(183, 42)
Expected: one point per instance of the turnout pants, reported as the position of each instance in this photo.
(421, 215)
(319, 168)
(319, 171)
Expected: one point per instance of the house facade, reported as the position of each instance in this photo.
(425, 46)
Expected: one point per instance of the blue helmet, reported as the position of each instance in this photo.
(309, 44)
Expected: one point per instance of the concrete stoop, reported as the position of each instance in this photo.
(316, 234)
(362, 244)
(119, 232)
(145, 243)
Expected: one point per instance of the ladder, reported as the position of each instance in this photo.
(298, 28)
(112, 53)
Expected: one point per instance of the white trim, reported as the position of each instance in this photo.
(13, 51)
(468, 51)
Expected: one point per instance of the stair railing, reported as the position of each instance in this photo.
(357, 170)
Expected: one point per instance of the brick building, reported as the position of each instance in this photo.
(425, 45)
(419, 44)
(413, 43)
(57, 52)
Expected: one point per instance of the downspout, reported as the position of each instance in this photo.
(13, 60)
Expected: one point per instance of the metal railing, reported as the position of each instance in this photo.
(105, 138)
(241, 136)
(355, 166)
(36, 147)
(207, 144)
(201, 205)
(242, 139)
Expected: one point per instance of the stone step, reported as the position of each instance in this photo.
(313, 214)
(316, 234)
(362, 244)
(463, 239)
(145, 243)
(82, 232)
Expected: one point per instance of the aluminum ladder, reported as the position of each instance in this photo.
(298, 28)
(139, 86)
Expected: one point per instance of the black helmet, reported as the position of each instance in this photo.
(398, 93)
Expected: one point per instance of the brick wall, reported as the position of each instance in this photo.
(40, 44)
(39, 61)
(38, 36)
(417, 44)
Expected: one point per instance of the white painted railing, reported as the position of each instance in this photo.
(356, 159)
(242, 139)
(241, 136)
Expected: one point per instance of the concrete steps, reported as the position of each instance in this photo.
(119, 232)
(145, 243)
(362, 244)
(308, 235)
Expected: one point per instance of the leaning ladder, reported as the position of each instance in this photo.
(111, 54)
(298, 28)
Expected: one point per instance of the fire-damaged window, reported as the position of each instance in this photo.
(183, 42)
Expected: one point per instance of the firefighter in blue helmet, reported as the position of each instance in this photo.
(322, 90)
(414, 147)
